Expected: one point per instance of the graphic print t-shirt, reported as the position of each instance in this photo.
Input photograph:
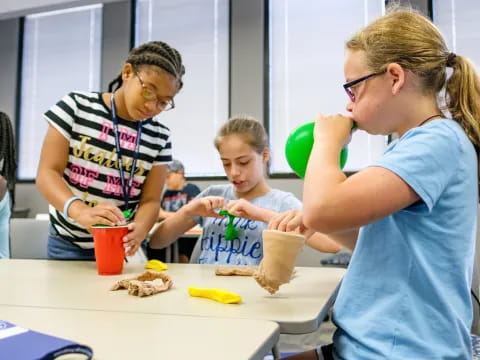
(173, 200)
(247, 248)
(92, 169)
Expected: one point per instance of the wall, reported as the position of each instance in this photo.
(16, 8)
(8, 58)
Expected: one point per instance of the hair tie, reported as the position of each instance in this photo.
(451, 59)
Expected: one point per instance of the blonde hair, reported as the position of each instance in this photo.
(251, 130)
(407, 38)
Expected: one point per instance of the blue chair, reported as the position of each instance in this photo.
(475, 346)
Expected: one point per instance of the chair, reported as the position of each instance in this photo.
(196, 252)
(20, 213)
(28, 238)
(475, 347)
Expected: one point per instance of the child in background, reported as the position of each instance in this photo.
(104, 153)
(406, 294)
(8, 168)
(178, 193)
(242, 146)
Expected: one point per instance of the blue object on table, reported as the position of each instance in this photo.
(20, 343)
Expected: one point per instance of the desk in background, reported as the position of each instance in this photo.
(172, 251)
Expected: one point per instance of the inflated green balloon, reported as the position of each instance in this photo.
(299, 146)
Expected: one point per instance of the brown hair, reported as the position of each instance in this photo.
(155, 53)
(8, 159)
(250, 129)
(407, 38)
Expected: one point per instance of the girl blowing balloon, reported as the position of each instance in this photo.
(406, 294)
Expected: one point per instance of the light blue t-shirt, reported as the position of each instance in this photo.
(406, 294)
(247, 248)
(4, 226)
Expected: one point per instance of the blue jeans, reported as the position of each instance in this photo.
(61, 249)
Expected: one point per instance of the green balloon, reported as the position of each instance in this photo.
(299, 146)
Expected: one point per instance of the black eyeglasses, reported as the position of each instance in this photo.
(149, 95)
(352, 83)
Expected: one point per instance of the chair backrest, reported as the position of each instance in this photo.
(28, 238)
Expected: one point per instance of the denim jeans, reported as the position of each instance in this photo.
(61, 249)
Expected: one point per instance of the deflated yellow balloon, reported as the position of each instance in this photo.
(156, 265)
(223, 296)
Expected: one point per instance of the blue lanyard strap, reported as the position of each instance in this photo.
(125, 187)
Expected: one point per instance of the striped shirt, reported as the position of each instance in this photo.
(92, 170)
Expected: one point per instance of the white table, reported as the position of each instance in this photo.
(129, 336)
(298, 307)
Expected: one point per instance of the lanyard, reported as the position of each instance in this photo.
(125, 187)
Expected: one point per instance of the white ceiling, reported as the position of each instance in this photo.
(15, 8)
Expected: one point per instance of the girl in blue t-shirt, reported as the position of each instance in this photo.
(242, 146)
(406, 294)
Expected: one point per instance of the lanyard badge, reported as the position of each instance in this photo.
(126, 187)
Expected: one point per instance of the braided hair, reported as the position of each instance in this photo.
(8, 161)
(155, 53)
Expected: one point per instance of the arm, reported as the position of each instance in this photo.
(163, 214)
(245, 209)
(333, 242)
(171, 228)
(328, 194)
(53, 161)
(50, 182)
(148, 208)
(182, 220)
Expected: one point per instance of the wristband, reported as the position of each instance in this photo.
(67, 205)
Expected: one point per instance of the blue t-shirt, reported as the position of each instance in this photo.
(4, 226)
(247, 248)
(406, 294)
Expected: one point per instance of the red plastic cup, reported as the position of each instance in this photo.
(109, 250)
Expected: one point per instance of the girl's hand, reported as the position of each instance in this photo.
(289, 221)
(244, 209)
(103, 213)
(134, 238)
(335, 129)
(205, 206)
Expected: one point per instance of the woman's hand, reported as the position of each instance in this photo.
(134, 238)
(205, 206)
(103, 213)
(335, 129)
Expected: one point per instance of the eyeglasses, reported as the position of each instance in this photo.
(149, 95)
(352, 83)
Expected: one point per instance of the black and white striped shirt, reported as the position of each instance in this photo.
(92, 170)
